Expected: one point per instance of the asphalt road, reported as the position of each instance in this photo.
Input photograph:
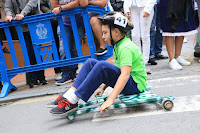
(31, 115)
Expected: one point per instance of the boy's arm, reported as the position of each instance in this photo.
(101, 3)
(83, 3)
(119, 86)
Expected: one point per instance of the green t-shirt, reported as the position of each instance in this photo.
(126, 53)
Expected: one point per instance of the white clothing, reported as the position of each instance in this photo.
(141, 30)
(147, 4)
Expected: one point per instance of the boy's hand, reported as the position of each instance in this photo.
(105, 106)
(19, 16)
(128, 14)
(99, 91)
(146, 14)
(56, 10)
(8, 19)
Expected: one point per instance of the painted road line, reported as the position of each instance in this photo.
(181, 104)
(34, 100)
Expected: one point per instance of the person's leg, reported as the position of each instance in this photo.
(54, 24)
(135, 32)
(93, 74)
(170, 46)
(197, 46)
(102, 72)
(158, 37)
(96, 27)
(173, 64)
(152, 38)
(34, 76)
(178, 47)
(85, 69)
(145, 24)
(67, 70)
(153, 31)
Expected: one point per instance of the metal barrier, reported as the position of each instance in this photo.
(46, 55)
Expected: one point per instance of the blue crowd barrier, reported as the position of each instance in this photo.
(46, 55)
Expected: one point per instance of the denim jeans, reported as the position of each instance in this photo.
(67, 71)
(155, 35)
(93, 73)
(36, 75)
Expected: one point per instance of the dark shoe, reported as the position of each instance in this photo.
(33, 83)
(196, 54)
(65, 80)
(64, 107)
(5, 50)
(101, 51)
(43, 81)
(55, 103)
(160, 56)
(152, 60)
(1, 86)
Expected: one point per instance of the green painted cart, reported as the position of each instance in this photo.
(126, 101)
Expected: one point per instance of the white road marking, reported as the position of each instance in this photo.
(181, 104)
(195, 77)
(179, 81)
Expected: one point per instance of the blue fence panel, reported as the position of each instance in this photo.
(44, 44)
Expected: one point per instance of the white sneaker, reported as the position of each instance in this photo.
(185, 40)
(182, 61)
(174, 65)
(58, 76)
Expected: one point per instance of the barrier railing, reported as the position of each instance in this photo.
(46, 55)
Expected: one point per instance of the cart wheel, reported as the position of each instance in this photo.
(167, 104)
(71, 117)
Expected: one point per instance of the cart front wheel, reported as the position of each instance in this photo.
(167, 104)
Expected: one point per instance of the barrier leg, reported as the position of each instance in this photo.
(6, 87)
(6, 82)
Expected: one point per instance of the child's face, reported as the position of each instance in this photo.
(106, 34)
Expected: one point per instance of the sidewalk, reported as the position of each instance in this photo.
(160, 70)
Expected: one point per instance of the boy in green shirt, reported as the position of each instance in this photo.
(127, 76)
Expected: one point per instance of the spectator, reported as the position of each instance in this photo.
(95, 24)
(117, 5)
(68, 72)
(197, 46)
(5, 50)
(45, 6)
(156, 37)
(17, 10)
(141, 15)
(175, 24)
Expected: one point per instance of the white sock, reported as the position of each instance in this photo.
(71, 96)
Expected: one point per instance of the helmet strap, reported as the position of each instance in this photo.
(112, 41)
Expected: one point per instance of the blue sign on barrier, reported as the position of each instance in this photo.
(41, 32)
(46, 55)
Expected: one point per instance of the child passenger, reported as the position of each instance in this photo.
(127, 76)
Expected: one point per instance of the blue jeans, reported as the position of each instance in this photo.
(93, 73)
(155, 35)
(68, 71)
